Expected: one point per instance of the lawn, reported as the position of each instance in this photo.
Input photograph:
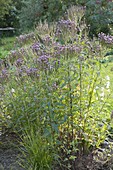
(6, 44)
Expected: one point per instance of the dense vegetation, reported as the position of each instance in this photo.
(4, 7)
(55, 93)
(56, 81)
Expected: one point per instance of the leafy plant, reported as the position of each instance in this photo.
(53, 94)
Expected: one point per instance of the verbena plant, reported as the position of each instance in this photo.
(54, 97)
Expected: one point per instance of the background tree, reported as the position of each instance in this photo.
(33, 11)
(5, 6)
(99, 16)
(9, 13)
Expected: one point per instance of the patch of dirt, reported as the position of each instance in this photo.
(9, 160)
(85, 163)
(100, 159)
(9, 152)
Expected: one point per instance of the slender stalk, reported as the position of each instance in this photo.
(50, 111)
(70, 102)
(80, 105)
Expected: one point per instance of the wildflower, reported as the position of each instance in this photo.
(19, 72)
(96, 88)
(32, 71)
(102, 94)
(14, 53)
(36, 47)
(108, 39)
(19, 61)
(47, 39)
(22, 51)
(70, 48)
(12, 90)
(44, 59)
(4, 73)
(108, 78)
(17, 53)
(108, 85)
(26, 37)
(58, 32)
(66, 23)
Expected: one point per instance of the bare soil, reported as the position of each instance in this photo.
(10, 155)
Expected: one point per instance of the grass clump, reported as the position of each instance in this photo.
(39, 150)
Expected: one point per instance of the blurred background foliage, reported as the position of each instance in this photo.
(26, 14)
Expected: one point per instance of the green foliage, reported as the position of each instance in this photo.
(68, 116)
(4, 7)
(99, 16)
(33, 11)
(82, 2)
(64, 104)
(9, 11)
(54, 95)
(6, 45)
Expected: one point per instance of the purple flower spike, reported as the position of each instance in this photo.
(36, 47)
(67, 23)
(108, 39)
(44, 58)
(32, 71)
(26, 37)
(4, 72)
(19, 61)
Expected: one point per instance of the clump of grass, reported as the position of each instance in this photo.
(37, 152)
